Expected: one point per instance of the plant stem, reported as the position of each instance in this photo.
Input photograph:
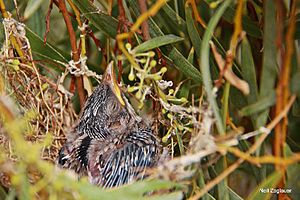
(3, 9)
(75, 54)
(145, 26)
(225, 102)
(205, 67)
(282, 92)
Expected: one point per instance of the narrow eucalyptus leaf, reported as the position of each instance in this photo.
(261, 105)
(32, 6)
(157, 42)
(184, 66)
(192, 30)
(98, 18)
(269, 66)
(261, 191)
(251, 27)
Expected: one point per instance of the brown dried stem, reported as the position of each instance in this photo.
(48, 21)
(196, 13)
(75, 52)
(145, 26)
(282, 90)
(3, 9)
(121, 26)
(121, 37)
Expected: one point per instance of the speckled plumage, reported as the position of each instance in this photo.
(122, 159)
(110, 143)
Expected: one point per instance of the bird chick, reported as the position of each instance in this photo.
(110, 143)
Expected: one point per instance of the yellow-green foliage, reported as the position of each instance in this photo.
(219, 79)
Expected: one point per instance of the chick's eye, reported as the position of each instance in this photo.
(112, 107)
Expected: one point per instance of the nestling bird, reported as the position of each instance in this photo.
(110, 143)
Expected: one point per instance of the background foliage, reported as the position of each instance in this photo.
(217, 80)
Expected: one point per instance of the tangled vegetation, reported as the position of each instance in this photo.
(218, 81)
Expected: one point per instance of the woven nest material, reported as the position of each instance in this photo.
(54, 110)
(55, 114)
(25, 89)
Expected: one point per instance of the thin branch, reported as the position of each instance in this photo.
(253, 148)
(280, 161)
(48, 20)
(196, 13)
(121, 28)
(75, 52)
(120, 37)
(282, 90)
(145, 25)
(3, 9)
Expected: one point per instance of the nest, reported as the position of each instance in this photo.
(55, 114)
(26, 89)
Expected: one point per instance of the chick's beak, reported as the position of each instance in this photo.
(110, 78)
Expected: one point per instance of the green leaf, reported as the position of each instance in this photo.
(192, 30)
(157, 42)
(12, 194)
(180, 143)
(172, 20)
(261, 105)
(136, 190)
(3, 194)
(222, 189)
(297, 26)
(32, 6)
(100, 20)
(293, 174)
(233, 195)
(174, 57)
(207, 81)
(185, 89)
(251, 27)
(248, 71)
(171, 196)
(262, 192)
(293, 181)
(196, 39)
(47, 50)
(191, 56)
(201, 183)
(36, 24)
(295, 83)
(141, 187)
(205, 67)
(25, 195)
(184, 66)
(269, 66)
(248, 167)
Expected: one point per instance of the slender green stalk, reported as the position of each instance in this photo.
(205, 67)
(225, 102)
